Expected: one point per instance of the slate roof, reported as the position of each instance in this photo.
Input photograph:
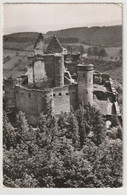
(54, 46)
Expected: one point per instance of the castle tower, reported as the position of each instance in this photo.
(85, 84)
(59, 70)
(39, 45)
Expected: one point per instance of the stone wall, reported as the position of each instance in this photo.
(30, 101)
(30, 75)
(50, 69)
(61, 99)
(39, 72)
(73, 93)
(59, 70)
(34, 101)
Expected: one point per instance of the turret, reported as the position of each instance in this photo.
(85, 84)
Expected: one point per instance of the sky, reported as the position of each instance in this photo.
(51, 17)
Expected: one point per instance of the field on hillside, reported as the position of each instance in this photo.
(15, 63)
(116, 74)
(112, 51)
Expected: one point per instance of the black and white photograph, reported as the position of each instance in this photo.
(62, 95)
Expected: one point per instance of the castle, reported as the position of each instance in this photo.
(59, 80)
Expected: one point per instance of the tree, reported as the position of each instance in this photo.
(73, 129)
(99, 129)
(102, 52)
(69, 48)
(80, 114)
(81, 49)
(108, 163)
(119, 132)
(115, 121)
(50, 156)
(43, 123)
(9, 134)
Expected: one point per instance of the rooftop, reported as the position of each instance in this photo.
(105, 107)
(54, 46)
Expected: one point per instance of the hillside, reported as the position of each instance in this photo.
(116, 74)
(105, 36)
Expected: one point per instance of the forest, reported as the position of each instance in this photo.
(67, 151)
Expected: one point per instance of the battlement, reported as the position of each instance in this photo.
(83, 67)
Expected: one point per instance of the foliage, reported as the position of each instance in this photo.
(61, 152)
(97, 51)
(108, 164)
(81, 49)
(103, 65)
(9, 134)
(115, 121)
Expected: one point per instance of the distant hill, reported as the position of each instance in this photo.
(110, 36)
(20, 40)
(104, 36)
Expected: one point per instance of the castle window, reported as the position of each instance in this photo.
(89, 80)
(60, 94)
(29, 95)
(86, 92)
(22, 93)
(54, 95)
(67, 93)
(84, 75)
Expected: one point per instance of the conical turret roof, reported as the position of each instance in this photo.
(54, 46)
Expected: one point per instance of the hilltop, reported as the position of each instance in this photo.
(107, 36)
